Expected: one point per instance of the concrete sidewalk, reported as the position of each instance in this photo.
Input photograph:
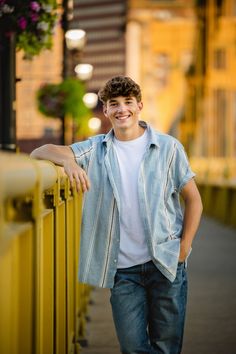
(211, 312)
(101, 333)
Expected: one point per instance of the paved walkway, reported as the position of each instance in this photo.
(211, 313)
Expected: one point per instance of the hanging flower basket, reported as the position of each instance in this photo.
(63, 99)
(33, 22)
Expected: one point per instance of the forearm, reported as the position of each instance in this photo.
(63, 156)
(192, 216)
(55, 153)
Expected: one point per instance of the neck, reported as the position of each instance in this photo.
(126, 135)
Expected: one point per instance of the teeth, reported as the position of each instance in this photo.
(123, 117)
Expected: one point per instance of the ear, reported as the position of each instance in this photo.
(104, 110)
(140, 105)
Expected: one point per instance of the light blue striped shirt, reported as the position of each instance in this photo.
(163, 173)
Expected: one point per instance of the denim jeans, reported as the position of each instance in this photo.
(148, 310)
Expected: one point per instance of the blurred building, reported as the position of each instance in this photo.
(209, 126)
(104, 22)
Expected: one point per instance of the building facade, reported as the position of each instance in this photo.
(209, 126)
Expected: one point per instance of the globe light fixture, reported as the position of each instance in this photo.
(94, 124)
(90, 100)
(75, 39)
(84, 71)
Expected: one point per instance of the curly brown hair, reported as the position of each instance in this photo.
(120, 86)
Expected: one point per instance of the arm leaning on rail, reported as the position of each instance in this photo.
(63, 156)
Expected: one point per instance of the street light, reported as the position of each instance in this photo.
(90, 99)
(94, 123)
(75, 39)
(84, 71)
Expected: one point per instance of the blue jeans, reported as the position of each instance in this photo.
(148, 310)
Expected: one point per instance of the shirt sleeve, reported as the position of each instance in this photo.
(182, 170)
(82, 152)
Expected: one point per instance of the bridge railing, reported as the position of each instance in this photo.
(216, 178)
(42, 304)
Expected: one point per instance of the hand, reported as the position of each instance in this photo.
(77, 174)
(184, 251)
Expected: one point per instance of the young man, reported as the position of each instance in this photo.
(134, 238)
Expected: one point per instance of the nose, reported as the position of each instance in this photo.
(121, 107)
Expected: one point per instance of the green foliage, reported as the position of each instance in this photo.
(33, 23)
(74, 104)
(63, 99)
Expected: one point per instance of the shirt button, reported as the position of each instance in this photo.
(115, 260)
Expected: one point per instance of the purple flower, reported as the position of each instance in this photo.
(22, 23)
(34, 17)
(34, 5)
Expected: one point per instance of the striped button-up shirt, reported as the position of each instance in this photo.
(163, 172)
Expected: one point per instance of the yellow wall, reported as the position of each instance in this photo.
(164, 53)
(175, 39)
(215, 129)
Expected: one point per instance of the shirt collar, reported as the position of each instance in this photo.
(153, 137)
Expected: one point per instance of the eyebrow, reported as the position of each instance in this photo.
(126, 97)
(129, 98)
(112, 100)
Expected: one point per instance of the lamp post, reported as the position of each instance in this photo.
(75, 40)
(7, 92)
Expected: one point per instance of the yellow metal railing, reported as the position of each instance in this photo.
(42, 305)
(216, 178)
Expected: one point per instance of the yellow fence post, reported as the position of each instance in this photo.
(54, 197)
(44, 259)
(17, 180)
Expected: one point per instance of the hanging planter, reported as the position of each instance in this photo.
(63, 99)
(33, 22)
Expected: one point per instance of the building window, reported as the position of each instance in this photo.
(219, 58)
(220, 123)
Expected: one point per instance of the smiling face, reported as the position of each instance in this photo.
(124, 113)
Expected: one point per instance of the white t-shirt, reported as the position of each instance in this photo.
(133, 243)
